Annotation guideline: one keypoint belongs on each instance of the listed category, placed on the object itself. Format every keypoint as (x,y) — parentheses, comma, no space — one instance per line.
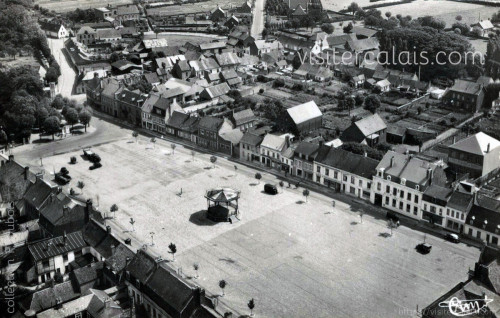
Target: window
(379,186)
(335,174)
(408,196)
(394,202)
(478,234)
(433,208)
(452,213)
(408,208)
(462,216)
(394,191)
(415,210)
(45,263)
(388,189)
(65,257)
(352,180)
(387,200)
(318,179)
(401,194)
(416,199)
(425,207)
(417,187)
(448,212)
(327,171)
(318,169)
(401,205)
(403,181)
(360,183)
(344,178)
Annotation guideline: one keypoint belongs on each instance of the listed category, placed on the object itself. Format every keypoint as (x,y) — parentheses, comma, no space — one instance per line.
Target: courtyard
(295,258)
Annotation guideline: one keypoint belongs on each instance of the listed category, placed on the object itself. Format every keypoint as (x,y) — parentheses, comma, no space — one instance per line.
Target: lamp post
(152,235)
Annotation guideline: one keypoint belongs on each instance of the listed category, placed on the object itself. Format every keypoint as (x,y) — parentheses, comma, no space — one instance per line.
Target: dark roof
(177,119)
(210,123)
(141,266)
(169,291)
(93,234)
(118,260)
(437,194)
(61,213)
(183,65)
(460,201)
(51,26)
(57,246)
(251,139)
(337,40)
(358,30)
(347,161)
(38,192)
(130,97)
(49,297)
(307,148)
(243,116)
(87,274)
(479,214)
(151,78)
(12,173)
(466,87)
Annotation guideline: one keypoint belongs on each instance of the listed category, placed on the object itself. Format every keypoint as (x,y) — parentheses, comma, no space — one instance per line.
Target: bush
(261,91)
(72,160)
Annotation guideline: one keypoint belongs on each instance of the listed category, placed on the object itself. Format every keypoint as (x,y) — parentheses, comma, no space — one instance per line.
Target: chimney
(430,174)
(59,190)
(107,302)
(11,157)
(65,238)
(65,210)
(392,161)
(113,248)
(365,154)
(88,210)
(96,75)
(287,140)
(488,148)
(108,229)
(27,171)
(454,140)
(321,142)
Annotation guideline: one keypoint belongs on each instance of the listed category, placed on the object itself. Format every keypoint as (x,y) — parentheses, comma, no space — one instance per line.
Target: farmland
(205,6)
(69,5)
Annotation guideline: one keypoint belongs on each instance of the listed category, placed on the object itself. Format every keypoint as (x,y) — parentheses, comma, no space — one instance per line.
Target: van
(270,189)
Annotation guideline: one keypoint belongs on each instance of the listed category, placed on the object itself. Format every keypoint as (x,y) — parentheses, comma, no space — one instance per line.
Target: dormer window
(417,187)
(403,181)
(389,178)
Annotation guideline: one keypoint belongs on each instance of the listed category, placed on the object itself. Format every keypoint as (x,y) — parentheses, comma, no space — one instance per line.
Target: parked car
(91,156)
(270,189)
(62,178)
(95,165)
(392,216)
(452,238)
(424,248)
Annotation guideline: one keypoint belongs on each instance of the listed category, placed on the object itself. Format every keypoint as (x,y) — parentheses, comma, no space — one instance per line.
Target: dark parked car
(95,165)
(392,216)
(452,238)
(91,156)
(270,188)
(424,248)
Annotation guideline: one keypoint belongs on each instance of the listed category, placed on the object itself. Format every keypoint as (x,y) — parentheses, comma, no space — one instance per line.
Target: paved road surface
(258,19)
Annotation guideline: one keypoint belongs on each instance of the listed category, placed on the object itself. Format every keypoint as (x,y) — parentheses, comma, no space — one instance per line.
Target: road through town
(258,19)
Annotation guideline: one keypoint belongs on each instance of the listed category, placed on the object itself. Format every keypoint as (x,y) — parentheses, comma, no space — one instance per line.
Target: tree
(222,285)
(132,222)
(305,193)
(353,7)
(348,28)
(372,103)
(71,117)
(173,148)
(113,210)
(80,185)
(458,18)
(173,250)
(51,75)
(235,169)
(196,267)
(3,137)
(265,32)
(135,134)
(282,184)
(51,125)
(350,102)
(213,159)
(327,28)
(258,176)
(251,306)
(361,216)
(388,14)
(85,118)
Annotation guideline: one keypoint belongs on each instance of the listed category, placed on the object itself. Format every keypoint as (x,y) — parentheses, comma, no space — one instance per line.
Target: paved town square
(295,258)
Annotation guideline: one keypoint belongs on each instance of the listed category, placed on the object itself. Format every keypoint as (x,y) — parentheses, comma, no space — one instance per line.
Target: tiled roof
(460,201)
(363,44)
(243,116)
(57,246)
(151,78)
(141,266)
(87,274)
(127,9)
(38,192)
(251,139)
(212,45)
(183,65)
(304,112)
(476,144)
(217,90)
(466,87)
(306,148)
(358,30)
(407,167)
(210,123)
(227,58)
(49,297)
(177,119)
(130,97)
(62,212)
(371,124)
(12,173)
(234,136)
(340,40)
(118,260)
(273,142)
(108,34)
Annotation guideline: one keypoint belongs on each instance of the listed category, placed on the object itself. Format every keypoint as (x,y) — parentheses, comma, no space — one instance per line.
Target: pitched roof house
(306,117)
(370,131)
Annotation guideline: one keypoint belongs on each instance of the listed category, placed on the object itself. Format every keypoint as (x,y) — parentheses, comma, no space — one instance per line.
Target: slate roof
(460,201)
(479,214)
(169,290)
(371,124)
(413,169)
(304,112)
(56,246)
(177,119)
(51,26)
(466,87)
(38,192)
(437,194)
(251,139)
(363,44)
(87,274)
(227,59)
(127,9)
(151,78)
(212,45)
(130,97)
(108,34)
(234,136)
(340,40)
(476,144)
(347,161)
(141,266)
(183,65)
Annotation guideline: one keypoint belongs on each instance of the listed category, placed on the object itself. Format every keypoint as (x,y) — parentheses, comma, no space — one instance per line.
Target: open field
(181,39)
(444,10)
(296,259)
(205,6)
(69,5)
